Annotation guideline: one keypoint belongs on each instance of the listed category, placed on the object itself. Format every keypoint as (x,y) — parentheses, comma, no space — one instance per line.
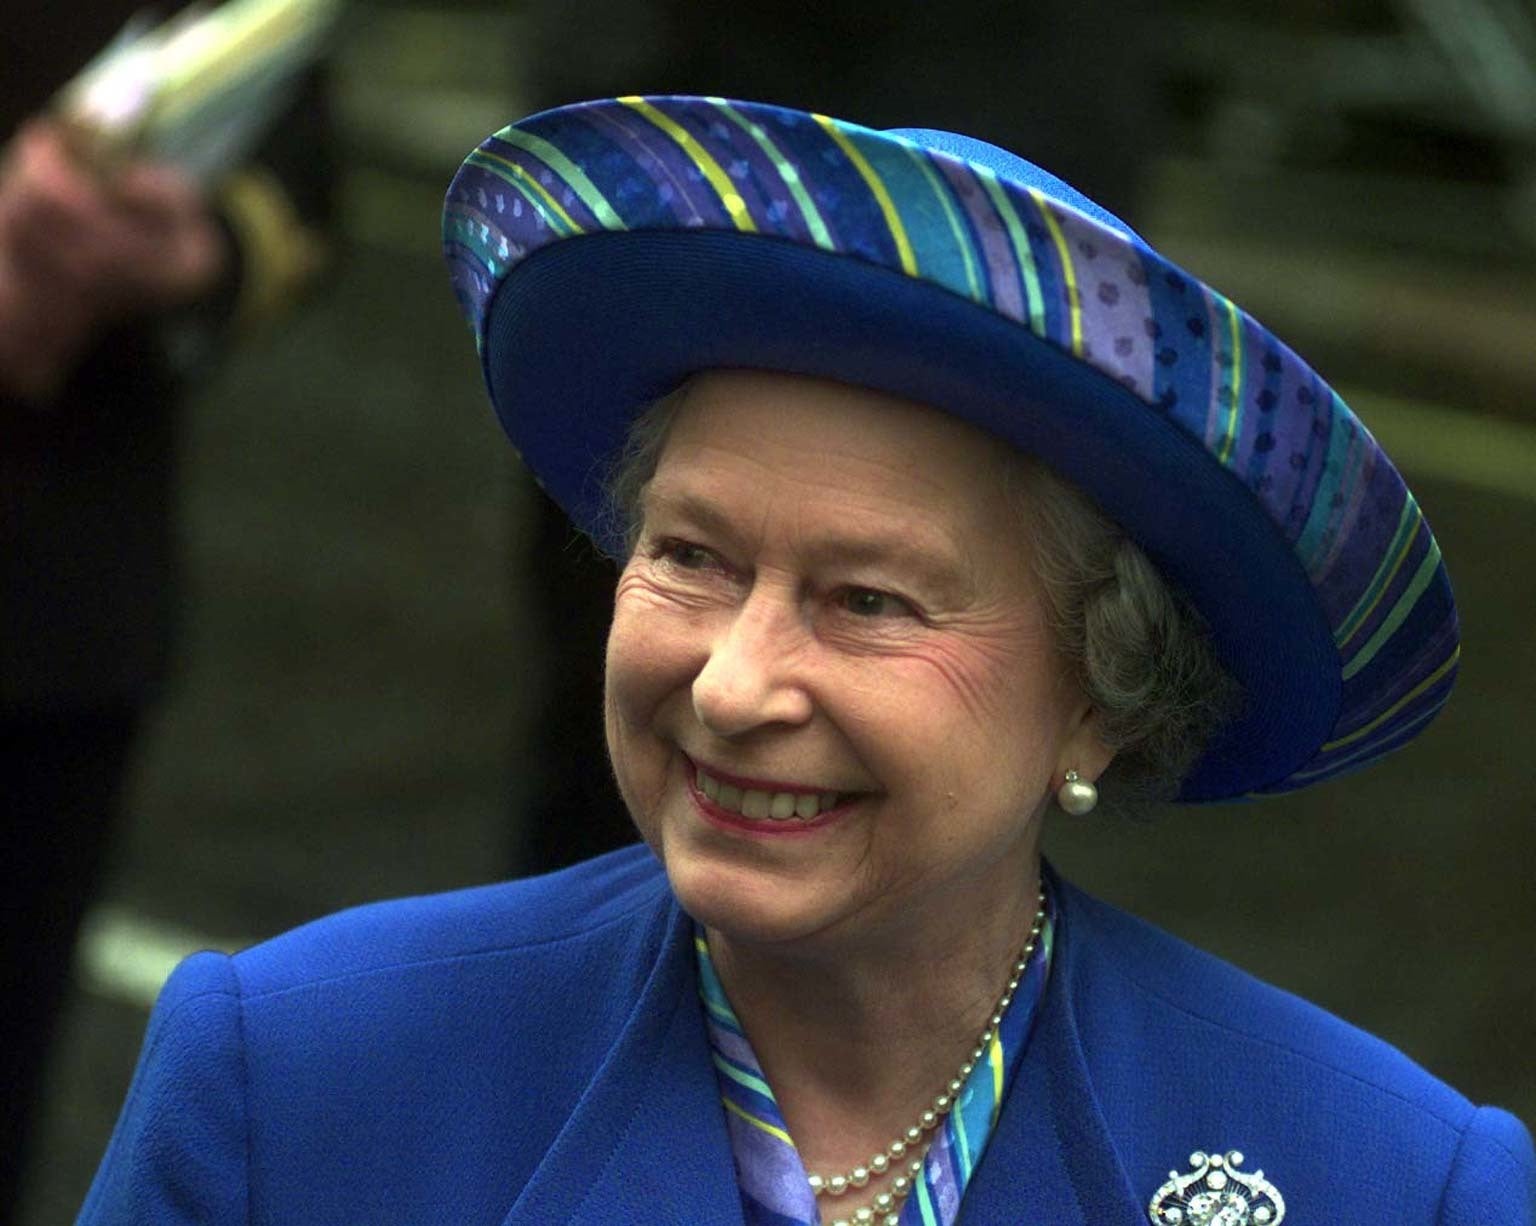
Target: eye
(872,603)
(683,555)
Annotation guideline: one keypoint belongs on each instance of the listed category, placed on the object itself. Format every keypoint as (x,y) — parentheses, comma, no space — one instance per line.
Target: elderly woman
(943,501)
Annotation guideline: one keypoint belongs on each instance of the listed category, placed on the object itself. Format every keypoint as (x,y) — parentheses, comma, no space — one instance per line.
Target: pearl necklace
(885,1208)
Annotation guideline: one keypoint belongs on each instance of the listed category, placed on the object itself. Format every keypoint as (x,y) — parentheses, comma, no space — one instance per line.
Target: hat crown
(1014,168)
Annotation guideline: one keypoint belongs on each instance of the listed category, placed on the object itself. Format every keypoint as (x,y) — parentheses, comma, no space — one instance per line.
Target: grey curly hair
(1139,650)
(1137,647)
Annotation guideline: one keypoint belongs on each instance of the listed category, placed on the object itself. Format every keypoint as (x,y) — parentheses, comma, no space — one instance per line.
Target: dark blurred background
(380,615)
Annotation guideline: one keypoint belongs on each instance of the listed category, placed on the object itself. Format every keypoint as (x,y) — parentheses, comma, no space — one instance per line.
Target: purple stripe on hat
(499,178)
(1278,451)
(1004,283)
(740,158)
(554,186)
(1330,765)
(1398,718)
(1391,734)
(521,217)
(1403,554)
(1114,303)
(1437,648)
(487,203)
(1187,322)
(495,238)
(1056,302)
(1339,595)
(1365,548)
(1261,379)
(681,189)
(1296,491)
(1335,500)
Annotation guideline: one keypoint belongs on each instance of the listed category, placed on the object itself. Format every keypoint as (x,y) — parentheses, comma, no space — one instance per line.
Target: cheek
(651,648)
(632,684)
(638,758)
(990,682)
(651,660)
(984,718)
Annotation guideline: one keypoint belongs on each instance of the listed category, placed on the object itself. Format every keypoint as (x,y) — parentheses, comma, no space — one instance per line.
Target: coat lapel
(647,1141)
(1051,1159)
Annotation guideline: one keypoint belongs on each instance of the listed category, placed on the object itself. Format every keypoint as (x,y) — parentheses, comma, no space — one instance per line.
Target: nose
(752,679)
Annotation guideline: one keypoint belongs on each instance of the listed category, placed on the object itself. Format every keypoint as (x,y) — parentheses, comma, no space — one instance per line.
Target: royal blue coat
(533,1053)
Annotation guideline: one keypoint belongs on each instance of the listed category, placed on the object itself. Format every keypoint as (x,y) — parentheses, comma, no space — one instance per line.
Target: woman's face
(833,704)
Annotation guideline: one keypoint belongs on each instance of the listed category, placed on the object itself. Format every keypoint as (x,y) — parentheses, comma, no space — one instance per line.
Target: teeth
(760,805)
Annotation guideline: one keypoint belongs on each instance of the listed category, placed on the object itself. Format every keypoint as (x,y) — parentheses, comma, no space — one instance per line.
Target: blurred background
(379,618)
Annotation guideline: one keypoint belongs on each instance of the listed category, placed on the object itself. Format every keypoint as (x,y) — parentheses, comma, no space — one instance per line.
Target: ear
(1083,748)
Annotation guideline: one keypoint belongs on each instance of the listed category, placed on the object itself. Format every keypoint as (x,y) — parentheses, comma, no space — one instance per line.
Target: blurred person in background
(117,285)
(943,502)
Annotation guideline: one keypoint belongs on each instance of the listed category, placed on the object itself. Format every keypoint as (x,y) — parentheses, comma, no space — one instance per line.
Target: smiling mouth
(757,804)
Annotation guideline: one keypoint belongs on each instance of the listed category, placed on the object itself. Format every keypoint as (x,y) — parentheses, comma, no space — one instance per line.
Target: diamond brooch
(1214,1192)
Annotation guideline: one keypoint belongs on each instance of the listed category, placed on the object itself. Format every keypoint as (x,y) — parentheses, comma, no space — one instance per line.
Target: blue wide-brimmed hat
(605,251)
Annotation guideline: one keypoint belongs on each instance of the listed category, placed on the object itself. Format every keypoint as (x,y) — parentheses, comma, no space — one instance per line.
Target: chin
(744,902)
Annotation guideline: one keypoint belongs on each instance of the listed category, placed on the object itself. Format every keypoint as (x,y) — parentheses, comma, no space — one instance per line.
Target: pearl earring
(1077,796)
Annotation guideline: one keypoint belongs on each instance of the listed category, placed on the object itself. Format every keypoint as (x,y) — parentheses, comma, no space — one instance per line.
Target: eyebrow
(686,505)
(937,569)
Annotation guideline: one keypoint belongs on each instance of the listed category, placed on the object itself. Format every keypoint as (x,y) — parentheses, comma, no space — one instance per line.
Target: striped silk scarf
(774,1190)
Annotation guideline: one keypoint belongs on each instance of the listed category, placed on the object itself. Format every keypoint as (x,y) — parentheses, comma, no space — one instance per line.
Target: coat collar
(647,1141)
(1051,1155)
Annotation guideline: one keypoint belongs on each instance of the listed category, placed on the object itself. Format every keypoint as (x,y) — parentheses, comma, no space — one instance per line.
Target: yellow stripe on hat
(956,226)
(877,186)
(1367,749)
(1018,237)
(1402,543)
(702,158)
(573,174)
(787,172)
(537,194)
(1229,431)
(1422,578)
(1074,302)
(1410,696)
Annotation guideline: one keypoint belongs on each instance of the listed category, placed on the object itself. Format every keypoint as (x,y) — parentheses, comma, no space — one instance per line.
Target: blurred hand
(79,252)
